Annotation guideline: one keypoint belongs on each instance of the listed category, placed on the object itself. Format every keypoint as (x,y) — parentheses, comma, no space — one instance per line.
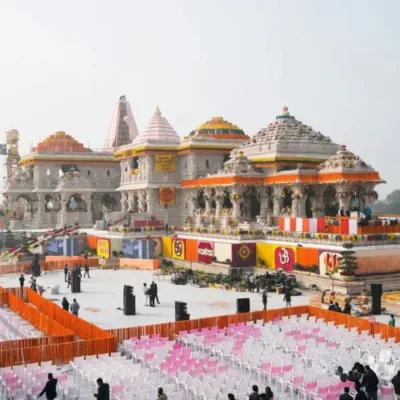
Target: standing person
(251,281)
(50,389)
(34,285)
(65,304)
(370,381)
(69,278)
(103,390)
(361,394)
(264,298)
(254,395)
(161,394)
(346,394)
(66,272)
(396,385)
(152,293)
(146,294)
(156,292)
(86,270)
(288,297)
(75,307)
(21,281)
(268,395)
(392,321)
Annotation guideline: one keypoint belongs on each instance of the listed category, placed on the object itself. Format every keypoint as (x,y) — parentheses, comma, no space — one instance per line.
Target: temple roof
(217,127)
(60,142)
(344,160)
(287,128)
(123,127)
(158,130)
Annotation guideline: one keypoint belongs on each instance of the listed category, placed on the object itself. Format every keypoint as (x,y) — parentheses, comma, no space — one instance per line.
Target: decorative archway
(287,193)
(357,201)
(252,206)
(48,203)
(76,203)
(23,207)
(109,202)
(330,203)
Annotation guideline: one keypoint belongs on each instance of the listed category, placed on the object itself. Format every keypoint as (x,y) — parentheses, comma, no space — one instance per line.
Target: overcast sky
(336,65)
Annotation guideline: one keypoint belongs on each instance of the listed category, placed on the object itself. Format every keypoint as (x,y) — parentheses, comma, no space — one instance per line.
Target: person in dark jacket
(65,304)
(21,281)
(340,373)
(346,394)
(254,395)
(360,395)
(331,306)
(288,297)
(152,295)
(156,292)
(347,309)
(264,298)
(86,270)
(396,384)
(103,390)
(66,272)
(370,382)
(50,389)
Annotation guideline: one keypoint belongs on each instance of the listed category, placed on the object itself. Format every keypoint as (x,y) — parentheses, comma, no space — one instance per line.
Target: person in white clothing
(146,294)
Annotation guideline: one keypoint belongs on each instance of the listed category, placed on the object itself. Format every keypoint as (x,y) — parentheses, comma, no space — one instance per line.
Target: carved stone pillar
(299,202)
(264,201)
(193,202)
(124,202)
(208,201)
(63,211)
(219,201)
(277,201)
(89,212)
(236,199)
(150,200)
(142,201)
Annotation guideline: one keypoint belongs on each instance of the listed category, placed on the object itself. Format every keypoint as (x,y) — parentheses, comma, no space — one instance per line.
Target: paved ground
(102,294)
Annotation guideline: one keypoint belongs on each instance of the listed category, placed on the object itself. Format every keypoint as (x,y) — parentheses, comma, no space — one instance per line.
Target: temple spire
(123,127)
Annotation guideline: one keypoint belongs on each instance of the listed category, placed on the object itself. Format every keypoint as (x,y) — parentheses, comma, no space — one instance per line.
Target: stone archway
(357,200)
(76,203)
(109,202)
(23,207)
(48,203)
(252,206)
(330,203)
(287,193)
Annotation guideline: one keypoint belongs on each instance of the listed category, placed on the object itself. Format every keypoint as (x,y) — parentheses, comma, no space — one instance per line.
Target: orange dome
(60,142)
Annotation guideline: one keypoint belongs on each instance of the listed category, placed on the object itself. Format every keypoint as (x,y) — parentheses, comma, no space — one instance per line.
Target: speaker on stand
(376,292)
(242,305)
(75,282)
(181,311)
(129,301)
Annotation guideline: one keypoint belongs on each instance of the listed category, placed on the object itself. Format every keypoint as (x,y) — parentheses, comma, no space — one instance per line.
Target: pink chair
(387,393)
(177,346)
(308,389)
(321,392)
(116,390)
(222,369)
(332,396)
(295,384)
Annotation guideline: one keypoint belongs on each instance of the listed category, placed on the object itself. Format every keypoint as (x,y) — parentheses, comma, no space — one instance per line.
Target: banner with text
(205,252)
(103,248)
(165,164)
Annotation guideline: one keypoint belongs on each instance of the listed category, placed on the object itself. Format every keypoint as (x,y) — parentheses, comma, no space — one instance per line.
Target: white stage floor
(102,294)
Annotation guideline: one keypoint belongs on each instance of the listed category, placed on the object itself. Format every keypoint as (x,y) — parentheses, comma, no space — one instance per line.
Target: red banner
(284,258)
(205,252)
(244,255)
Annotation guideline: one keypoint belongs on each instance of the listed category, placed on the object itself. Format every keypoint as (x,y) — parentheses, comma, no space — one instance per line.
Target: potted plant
(348,263)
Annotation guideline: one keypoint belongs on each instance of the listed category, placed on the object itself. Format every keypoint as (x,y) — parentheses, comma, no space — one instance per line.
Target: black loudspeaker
(75,282)
(181,311)
(242,305)
(376,291)
(129,301)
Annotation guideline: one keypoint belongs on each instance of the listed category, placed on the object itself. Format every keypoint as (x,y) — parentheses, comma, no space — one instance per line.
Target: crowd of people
(74,306)
(150,294)
(78,269)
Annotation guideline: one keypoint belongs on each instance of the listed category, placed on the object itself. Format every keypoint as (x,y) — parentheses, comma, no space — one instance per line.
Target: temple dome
(344,160)
(60,142)
(158,130)
(217,126)
(287,128)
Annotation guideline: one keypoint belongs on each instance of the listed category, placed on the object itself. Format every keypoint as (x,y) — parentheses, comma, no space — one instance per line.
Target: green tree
(390,205)
(348,263)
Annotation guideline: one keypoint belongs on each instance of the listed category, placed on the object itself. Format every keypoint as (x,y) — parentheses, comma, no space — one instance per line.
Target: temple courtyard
(103,294)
